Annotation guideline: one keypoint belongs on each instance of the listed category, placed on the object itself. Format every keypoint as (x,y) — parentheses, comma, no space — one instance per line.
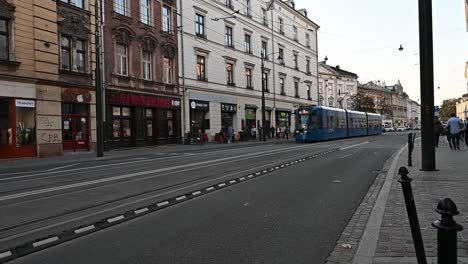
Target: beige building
(47,97)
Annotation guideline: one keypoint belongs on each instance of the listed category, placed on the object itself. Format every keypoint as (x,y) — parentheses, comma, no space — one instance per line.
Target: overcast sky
(363,36)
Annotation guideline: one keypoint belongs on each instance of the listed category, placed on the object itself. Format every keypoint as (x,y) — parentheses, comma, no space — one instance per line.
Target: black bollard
(410,149)
(447,230)
(412,215)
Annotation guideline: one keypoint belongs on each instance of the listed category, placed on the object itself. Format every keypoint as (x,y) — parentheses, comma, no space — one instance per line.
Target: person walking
(454,126)
(278,132)
(230,134)
(462,130)
(272,131)
(438,128)
(286,132)
(253,132)
(466,134)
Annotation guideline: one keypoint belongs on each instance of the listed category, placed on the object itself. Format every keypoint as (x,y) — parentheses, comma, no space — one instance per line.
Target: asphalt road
(293,215)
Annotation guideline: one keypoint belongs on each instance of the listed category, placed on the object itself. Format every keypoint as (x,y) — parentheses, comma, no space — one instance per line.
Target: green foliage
(363,103)
(447,108)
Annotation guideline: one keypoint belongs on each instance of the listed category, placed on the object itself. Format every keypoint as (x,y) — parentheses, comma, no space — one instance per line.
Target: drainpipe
(184,92)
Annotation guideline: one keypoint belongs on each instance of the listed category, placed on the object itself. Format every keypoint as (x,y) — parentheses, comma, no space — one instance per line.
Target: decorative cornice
(6,9)
(74,24)
(123,35)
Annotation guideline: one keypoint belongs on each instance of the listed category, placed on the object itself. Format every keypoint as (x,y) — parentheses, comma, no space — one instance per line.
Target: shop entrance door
(75,132)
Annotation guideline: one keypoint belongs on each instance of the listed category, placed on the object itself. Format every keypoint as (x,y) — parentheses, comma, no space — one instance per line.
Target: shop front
(250,118)
(198,112)
(134,120)
(76,119)
(228,112)
(17,128)
(283,118)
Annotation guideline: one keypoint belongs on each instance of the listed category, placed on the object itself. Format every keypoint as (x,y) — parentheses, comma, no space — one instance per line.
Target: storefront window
(127,131)
(125,111)
(25,126)
(149,122)
(282,119)
(170,123)
(116,111)
(121,122)
(5,122)
(116,128)
(67,133)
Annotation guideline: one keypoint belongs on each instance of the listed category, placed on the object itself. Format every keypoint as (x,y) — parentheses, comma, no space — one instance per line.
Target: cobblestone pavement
(395,244)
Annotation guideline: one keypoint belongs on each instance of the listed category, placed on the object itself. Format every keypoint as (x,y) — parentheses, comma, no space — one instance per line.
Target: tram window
(313,120)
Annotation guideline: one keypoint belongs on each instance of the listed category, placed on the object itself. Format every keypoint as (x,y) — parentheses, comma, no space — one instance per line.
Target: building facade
(47,96)
(382,97)
(143,105)
(221,60)
(336,86)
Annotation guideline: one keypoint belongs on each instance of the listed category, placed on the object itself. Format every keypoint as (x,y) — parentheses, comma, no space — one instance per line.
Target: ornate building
(336,86)
(141,58)
(47,97)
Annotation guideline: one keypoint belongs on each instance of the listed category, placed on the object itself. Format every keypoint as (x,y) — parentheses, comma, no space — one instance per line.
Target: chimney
(338,67)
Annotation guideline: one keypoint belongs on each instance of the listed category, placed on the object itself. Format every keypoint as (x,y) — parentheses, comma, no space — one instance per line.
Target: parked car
(401,129)
(389,129)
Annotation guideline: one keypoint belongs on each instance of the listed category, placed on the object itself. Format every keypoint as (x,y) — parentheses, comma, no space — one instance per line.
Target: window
(229,3)
(295,32)
(265,81)
(308,66)
(229,36)
(307,39)
(248,78)
(246,7)
(264,17)
(25,126)
(265,50)
(248,44)
(168,70)
(201,68)
(296,63)
(281,25)
(230,73)
(166,13)
(200,25)
(296,88)
(77,3)
(4,40)
(121,122)
(281,82)
(147,65)
(281,55)
(121,7)
(330,89)
(72,54)
(122,62)
(149,122)
(308,92)
(145,11)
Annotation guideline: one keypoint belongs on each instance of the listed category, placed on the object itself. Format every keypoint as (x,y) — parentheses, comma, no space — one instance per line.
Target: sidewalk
(379,231)
(84,156)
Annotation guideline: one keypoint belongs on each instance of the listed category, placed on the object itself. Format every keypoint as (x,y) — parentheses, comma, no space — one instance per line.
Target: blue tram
(316,123)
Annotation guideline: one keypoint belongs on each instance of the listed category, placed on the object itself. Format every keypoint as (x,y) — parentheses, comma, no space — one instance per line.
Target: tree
(363,103)
(447,108)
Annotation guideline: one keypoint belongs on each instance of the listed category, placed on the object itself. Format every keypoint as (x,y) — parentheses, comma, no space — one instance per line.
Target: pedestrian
(438,128)
(286,132)
(260,133)
(466,134)
(253,132)
(278,132)
(272,131)
(454,127)
(230,134)
(462,130)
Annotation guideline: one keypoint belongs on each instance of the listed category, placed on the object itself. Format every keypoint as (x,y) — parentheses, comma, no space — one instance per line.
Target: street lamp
(264,129)
(340,99)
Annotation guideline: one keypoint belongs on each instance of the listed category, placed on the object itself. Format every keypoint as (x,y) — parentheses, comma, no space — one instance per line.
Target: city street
(288,203)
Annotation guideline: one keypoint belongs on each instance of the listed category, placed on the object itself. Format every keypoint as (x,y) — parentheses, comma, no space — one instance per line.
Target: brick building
(141,69)
(47,98)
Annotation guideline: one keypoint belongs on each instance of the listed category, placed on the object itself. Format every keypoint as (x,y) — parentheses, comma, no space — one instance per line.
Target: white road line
(181,198)
(242,178)
(142,210)
(115,219)
(63,167)
(355,145)
(45,241)
(162,203)
(250,176)
(196,193)
(222,185)
(210,188)
(233,181)
(5,254)
(84,229)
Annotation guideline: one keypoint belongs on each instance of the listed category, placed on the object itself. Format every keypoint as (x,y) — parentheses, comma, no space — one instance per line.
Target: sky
(363,36)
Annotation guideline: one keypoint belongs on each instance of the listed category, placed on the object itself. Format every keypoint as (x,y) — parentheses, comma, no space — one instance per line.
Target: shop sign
(199,105)
(76,95)
(250,114)
(25,103)
(141,100)
(283,116)
(230,108)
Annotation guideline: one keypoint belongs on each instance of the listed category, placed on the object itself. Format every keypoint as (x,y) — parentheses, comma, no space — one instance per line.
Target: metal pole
(98,81)
(427,85)
(263,102)
(184,93)
(410,149)
(447,230)
(412,215)
(273,111)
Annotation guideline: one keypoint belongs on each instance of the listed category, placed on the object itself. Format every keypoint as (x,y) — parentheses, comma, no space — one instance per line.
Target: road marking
(345,156)
(162,203)
(45,241)
(84,229)
(210,189)
(250,176)
(196,193)
(63,167)
(337,181)
(183,197)
(115,219)
(141,210)
(221,184)
(233,181)
(5,254)
(243,178)
(355,145)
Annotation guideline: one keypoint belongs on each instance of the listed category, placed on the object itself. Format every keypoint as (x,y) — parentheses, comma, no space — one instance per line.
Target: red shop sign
(141,100)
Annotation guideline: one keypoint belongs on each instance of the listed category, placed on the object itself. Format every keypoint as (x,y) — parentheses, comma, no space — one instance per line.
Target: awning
(251,106)
(278,109)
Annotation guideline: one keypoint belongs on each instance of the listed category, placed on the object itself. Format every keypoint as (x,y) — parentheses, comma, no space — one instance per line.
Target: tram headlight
(297,131)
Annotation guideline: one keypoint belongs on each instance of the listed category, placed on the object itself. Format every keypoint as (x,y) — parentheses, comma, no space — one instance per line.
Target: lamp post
(264,129)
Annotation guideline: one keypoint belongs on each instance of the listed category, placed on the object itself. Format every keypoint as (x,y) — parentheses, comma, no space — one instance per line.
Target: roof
(337,70)
(286,3)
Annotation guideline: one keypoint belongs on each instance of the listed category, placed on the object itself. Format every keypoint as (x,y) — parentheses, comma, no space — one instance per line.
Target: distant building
(336,86)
